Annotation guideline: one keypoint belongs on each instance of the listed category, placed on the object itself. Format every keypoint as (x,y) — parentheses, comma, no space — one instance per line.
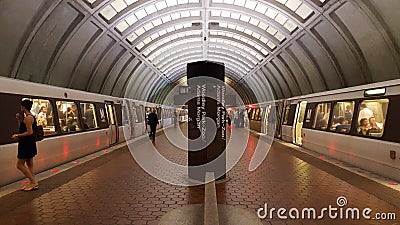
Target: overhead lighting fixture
(375,92)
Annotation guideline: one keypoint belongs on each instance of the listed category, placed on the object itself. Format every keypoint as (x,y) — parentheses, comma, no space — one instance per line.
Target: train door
(113,126)
(264,119)
(278,113)
(298,122)
(159,115)
(264,123)
(132,118)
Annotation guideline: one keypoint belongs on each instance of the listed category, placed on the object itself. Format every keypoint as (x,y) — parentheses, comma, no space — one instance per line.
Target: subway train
(358,125)
(76,123)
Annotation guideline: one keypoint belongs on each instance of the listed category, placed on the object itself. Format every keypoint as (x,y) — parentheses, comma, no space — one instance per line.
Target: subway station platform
(112,188)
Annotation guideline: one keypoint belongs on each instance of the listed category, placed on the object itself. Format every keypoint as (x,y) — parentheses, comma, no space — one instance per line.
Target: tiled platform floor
(113,189)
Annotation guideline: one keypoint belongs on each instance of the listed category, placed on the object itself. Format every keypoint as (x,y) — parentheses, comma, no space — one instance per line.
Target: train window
(260,114)
(110,113)
(102,119)
(158,112)
(43,112)
(308,115)
(372,117)
(322,116)
(139,114)
(89,116)
(118,114)
(134,114)
(125,115)
(342,116)
(286,117)
(147,111)
(255,114)
(68,116)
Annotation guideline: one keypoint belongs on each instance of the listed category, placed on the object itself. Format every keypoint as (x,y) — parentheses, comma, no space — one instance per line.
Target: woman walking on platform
(26,144)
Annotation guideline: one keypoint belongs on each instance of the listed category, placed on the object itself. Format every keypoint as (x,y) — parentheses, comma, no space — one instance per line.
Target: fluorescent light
(375,92)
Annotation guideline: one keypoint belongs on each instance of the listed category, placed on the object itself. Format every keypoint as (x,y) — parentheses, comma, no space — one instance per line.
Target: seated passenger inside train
(72,125)
(375,126)
(364,128)
(343,125)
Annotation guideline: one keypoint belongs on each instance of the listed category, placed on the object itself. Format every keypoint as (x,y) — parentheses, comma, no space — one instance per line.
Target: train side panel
(52,151)
(369,154)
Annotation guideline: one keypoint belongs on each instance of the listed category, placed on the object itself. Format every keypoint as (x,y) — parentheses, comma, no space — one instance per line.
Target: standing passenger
(364,112)
(26,144)
(152,120)
(347,114)
(89,115)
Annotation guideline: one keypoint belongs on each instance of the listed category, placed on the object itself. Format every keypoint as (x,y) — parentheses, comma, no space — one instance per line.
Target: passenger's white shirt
(379,125)
(365,113)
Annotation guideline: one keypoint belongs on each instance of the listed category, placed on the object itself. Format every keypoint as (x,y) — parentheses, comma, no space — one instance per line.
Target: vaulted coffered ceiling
(272,49)
(239,33)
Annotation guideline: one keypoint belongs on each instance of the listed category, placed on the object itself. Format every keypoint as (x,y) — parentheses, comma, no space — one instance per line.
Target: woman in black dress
(26,144)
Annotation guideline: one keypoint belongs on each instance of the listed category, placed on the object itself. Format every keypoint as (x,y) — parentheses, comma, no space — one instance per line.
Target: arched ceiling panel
(123,47)
(157,28)
(119,86)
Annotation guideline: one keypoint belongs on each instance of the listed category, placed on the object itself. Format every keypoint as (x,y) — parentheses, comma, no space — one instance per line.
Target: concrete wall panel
(105,68)
(47,41)
(80,79)
(272,82)
(294,69)
(321,62)
(122,82)
(388,10)
(286,89)
(16,17)
(73,53)
(115,73)
(317,83)
(374,48)
(350,67)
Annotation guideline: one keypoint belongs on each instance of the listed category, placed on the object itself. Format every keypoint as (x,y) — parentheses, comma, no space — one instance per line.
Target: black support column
(207,113)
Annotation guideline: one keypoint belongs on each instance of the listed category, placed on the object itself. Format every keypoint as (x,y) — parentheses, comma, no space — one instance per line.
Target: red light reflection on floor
(25,182)
(340,163)
(105,150)
(322,157)
(75,162)
(394,184)
(54,171)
